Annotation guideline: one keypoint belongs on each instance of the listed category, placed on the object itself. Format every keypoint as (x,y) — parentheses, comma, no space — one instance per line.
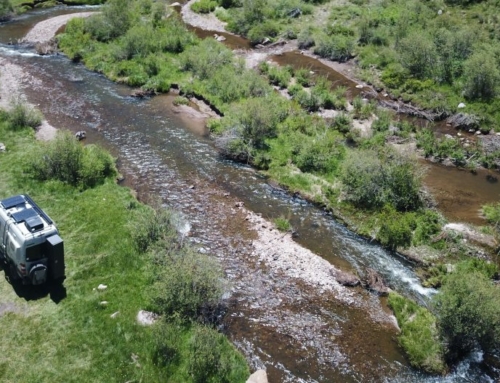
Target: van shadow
(54,289)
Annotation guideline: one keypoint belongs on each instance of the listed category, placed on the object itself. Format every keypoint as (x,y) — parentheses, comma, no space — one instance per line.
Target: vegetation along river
(297,331)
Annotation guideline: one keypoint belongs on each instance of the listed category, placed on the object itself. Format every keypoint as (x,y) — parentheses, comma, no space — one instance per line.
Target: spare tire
(38,274)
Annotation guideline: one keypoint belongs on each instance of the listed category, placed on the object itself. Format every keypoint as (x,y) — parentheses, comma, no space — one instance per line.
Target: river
(295,331)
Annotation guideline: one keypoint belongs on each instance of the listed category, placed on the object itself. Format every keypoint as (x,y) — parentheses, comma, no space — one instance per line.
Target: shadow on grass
(54,289)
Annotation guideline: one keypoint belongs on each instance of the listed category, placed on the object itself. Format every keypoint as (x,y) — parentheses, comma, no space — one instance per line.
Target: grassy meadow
(68,335)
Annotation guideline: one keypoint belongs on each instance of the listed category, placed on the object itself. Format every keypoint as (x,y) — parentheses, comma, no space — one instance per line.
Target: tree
(482,77)
(468,313)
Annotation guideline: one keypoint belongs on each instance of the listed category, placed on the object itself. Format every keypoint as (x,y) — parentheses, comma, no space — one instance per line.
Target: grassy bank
(56,336)
(337,162)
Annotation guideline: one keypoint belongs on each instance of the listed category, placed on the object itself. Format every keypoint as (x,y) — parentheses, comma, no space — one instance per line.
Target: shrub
(154,226)
(210,359)
(418,55)
(395,229)
(337,47)
(282,224)
(205,58)
(189,285)
(482,77)
(305,38)
(66,160)
(279,76)
(303,77)
(419,335)
(6,10)
(180,100)
(204,6)
(23,115)
(468,313)
(258,33)
(492,214)
(373,180)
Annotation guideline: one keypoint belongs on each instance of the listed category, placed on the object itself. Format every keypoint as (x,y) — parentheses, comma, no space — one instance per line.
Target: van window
(34,253)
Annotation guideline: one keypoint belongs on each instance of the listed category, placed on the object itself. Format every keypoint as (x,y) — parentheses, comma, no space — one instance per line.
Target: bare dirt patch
(45,30)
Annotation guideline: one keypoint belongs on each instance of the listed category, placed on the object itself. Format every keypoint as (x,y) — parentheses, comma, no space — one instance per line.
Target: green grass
(282,224)
(76,340)
(419,335)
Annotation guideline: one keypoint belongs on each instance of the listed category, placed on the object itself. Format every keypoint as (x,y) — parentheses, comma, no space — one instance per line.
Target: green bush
(204,59)
(305,38)
(152,227)
(418,55)
(419,335)
(372,180)
(279,76)
(482,77)
(492,214)
(468,313)
(337,47)
(66,160)
(210,359)
(282,224)
(204,6)
(23,115)
(199,352)
(189,285)
(6,10)
(396,229)
(258,33)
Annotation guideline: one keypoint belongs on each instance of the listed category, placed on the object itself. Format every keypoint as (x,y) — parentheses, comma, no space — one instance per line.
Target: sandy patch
(208,22)
(45,30)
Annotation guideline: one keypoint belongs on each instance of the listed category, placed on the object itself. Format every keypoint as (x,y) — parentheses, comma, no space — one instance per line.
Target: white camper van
(30,246)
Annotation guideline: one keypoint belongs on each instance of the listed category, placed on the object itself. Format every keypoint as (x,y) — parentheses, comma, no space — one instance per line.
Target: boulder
(81,135)
(345,278)
(259,376)
(141,93)
(146,318)
(374,282)
(464,121)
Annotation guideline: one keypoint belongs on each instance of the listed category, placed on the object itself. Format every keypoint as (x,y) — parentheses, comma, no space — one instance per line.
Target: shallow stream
(297,332)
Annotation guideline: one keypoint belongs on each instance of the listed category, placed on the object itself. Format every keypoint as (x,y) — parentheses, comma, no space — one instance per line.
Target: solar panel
(8,203)
(23,215)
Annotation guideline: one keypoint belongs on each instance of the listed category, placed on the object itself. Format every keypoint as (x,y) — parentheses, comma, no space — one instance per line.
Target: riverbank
(11,82)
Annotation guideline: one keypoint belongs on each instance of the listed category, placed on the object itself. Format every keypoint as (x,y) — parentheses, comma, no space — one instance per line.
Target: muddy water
(461,193)
(300,61)
(297,332)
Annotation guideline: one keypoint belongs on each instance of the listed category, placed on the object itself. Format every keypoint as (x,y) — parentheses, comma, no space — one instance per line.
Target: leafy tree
(468,313)
(482,77)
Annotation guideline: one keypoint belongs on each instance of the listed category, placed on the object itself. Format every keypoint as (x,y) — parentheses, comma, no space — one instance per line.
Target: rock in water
(374,282)
(345,278)
(81,135)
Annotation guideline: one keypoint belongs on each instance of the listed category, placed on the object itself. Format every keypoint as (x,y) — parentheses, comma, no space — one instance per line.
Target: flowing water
(297,332)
